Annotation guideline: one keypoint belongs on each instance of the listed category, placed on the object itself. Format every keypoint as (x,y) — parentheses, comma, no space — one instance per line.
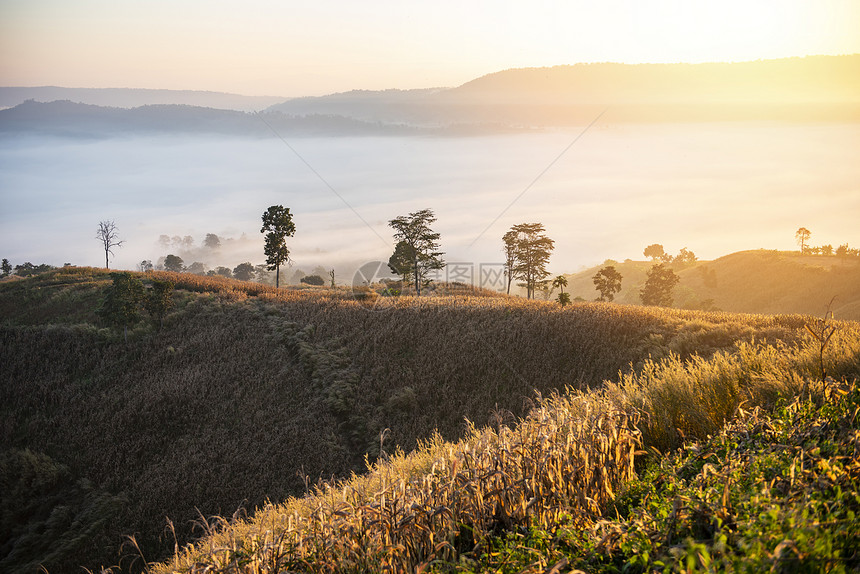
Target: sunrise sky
(272,47)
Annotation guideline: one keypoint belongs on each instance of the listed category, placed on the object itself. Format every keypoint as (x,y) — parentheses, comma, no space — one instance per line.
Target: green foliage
(48,517)
(421,246)
(312,280)
(277,225)
(27,269)
(608,282)
(159,300)
(121,305)
(5,268)
(658,287)
(563,299)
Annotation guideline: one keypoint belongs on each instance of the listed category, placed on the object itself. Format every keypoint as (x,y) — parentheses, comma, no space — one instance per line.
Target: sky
(290,48)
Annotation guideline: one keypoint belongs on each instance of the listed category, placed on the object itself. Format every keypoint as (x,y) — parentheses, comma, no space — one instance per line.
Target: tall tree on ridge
(277,225)
(531,255)
(108,234)
(414,230)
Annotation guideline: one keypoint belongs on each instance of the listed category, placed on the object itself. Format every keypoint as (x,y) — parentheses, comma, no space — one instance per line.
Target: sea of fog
(713,188)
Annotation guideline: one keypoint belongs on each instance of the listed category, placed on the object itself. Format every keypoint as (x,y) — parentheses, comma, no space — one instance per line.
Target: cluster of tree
(127,296)
(684,257)
(24,270)
(802,236)
(527,250)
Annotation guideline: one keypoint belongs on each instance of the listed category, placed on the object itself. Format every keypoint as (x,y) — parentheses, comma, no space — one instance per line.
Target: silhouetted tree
(244,271)
(509,241)
(402,260)
(26,269)
(655,251)
(145,266)
(560,282)
(415,231)
(212,241)
(532,249)
(277,225)
(108,234)
(197,268)
(222,271)
(6,268)
(174,263)
(659,285)
(120,307)
(685,257)
(608,282)
(159,300)
(312,280)
(802,235)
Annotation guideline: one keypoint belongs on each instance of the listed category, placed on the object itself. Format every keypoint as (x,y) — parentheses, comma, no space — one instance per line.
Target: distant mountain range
(819,88)
(133,98)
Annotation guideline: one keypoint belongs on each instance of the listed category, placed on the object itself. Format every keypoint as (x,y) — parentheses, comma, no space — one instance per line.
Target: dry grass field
(478,414)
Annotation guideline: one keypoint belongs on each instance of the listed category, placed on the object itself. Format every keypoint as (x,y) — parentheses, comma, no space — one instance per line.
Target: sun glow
(278,48)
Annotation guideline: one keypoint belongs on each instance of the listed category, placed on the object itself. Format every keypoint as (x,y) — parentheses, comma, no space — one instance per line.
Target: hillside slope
(759,281)
(250,393)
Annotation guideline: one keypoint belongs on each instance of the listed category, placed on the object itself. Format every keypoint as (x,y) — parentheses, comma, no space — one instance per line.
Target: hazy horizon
(713,188)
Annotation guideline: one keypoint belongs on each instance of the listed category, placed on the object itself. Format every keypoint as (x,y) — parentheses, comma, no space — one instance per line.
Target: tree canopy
(174,263)
(659,285)
(531,251)
(277,225)
(608,282)
(422,244)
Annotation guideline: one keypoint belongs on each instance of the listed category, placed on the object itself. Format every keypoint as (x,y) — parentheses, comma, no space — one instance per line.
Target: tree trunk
(107,266)
(277,276)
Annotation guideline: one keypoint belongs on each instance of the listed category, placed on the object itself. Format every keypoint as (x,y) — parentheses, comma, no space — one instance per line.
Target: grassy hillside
(250,394)
(767,481)
(748,282)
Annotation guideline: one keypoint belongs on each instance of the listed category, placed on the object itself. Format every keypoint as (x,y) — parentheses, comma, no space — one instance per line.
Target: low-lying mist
(714,188)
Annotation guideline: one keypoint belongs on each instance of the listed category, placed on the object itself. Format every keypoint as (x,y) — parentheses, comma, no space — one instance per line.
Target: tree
(685,257)
(402,261)
(560,282)
(6,268)
(196,268)
(423,242)
(159,300)
(145,266)
(655,251)
(532,249)
(658,287)
(244,271)
(509,240)
(277,225)
(120,306)
(608,282)
(802,235)
(173,263)
(333,283)
(108,234)
(312,280)
(212,241)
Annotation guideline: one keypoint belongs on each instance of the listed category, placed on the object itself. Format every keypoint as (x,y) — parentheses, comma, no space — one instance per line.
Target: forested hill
(250,393)
(760,281)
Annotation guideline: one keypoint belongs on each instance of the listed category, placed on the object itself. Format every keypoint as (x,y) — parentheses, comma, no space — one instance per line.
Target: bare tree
(108,234)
